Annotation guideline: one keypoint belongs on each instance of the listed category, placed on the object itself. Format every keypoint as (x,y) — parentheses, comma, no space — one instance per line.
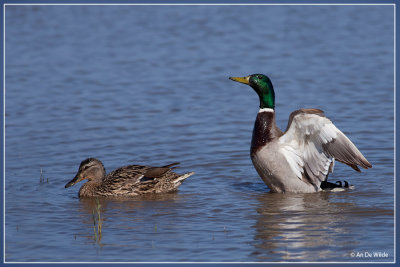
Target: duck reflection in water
(301,227)
(129,212)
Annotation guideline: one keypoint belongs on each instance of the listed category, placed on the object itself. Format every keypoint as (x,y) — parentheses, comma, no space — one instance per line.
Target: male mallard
(128,181)
(299,159)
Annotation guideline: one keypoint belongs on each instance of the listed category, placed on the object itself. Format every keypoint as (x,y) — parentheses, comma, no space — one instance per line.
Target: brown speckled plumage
(127,181)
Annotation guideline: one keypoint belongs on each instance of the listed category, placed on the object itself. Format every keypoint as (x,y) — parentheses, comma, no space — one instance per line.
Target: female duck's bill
(72,182)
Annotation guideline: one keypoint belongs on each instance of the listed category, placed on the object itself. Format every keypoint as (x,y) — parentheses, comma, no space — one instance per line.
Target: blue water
(149,85)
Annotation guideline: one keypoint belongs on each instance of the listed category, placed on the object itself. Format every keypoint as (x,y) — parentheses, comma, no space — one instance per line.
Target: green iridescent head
(263,87)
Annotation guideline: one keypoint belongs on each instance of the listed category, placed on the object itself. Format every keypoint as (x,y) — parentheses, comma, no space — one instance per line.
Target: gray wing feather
(312,142)
(343,150)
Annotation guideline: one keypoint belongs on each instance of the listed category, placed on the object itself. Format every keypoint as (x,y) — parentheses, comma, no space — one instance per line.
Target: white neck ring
(266,110)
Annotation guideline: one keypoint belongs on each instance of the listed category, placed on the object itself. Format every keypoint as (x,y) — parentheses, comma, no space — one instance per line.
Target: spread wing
(312,142)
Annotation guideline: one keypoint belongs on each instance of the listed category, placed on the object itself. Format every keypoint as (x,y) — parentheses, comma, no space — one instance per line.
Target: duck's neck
(266,94)
(265,129)
(89,188)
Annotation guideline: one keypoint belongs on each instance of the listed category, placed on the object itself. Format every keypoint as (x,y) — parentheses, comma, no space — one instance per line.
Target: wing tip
(363,162)
(171,165)
(354,165)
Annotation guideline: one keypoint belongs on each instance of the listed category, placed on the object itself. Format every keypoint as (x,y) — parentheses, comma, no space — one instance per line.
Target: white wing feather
(312,142)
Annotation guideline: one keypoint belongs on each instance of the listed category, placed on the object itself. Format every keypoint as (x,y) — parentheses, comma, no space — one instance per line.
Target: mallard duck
(300,159)
(127,181)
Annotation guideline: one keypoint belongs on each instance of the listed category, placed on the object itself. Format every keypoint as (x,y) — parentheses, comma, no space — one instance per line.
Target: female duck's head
(263,87)
(91,169)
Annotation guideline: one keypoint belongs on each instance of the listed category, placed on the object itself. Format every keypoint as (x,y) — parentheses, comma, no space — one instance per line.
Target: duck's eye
(259,77)
(85,168)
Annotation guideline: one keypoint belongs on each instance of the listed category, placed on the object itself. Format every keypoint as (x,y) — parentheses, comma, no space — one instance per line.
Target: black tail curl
(329,186)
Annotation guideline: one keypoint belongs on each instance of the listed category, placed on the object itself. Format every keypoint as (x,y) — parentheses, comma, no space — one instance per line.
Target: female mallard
(128,181)
(299,159)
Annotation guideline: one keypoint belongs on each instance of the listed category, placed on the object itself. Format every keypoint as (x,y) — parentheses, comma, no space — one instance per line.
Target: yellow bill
(244,80)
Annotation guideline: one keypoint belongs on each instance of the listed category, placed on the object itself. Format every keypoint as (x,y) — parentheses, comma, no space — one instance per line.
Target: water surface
(149,85)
